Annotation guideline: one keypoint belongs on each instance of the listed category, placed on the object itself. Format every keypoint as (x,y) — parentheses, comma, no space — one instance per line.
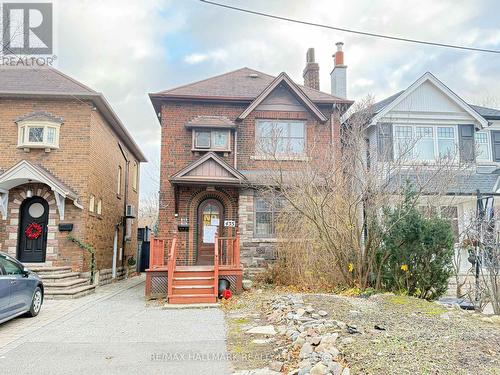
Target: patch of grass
(241,320)
(411,303)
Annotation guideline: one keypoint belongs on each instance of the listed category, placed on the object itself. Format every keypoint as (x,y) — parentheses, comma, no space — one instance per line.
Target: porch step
(184,281)
(62,282)
(188,274)
(65,283)
(53,277)
(192,298)
(68,293)
(193,284)
(192,289)
(49,270)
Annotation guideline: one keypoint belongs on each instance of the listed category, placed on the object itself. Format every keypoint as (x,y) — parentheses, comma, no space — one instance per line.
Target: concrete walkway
(116,332)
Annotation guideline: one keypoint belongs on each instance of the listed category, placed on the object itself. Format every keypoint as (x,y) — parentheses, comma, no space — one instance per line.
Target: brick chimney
(338,75)
(311,71)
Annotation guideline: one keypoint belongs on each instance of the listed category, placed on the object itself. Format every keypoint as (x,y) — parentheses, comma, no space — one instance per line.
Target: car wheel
(36,303)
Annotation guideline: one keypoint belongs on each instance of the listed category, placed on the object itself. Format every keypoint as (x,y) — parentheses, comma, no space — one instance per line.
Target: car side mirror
(26,271)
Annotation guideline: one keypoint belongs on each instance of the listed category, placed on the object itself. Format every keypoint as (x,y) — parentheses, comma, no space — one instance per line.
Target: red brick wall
(176,142)
(86,161)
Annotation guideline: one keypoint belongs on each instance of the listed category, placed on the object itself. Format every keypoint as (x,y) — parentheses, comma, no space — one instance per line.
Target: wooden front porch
(185,282)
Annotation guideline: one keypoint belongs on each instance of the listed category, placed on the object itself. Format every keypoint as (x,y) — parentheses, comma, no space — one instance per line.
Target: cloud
(127,49)
(214,56)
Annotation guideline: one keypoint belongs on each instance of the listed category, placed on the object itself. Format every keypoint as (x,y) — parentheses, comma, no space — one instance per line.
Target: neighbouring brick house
(210,167)
(67,166)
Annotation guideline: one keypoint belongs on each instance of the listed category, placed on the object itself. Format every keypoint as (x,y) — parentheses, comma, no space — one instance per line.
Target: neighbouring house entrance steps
(62,282)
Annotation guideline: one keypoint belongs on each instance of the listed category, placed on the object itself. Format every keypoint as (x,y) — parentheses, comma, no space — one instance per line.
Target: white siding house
(440,123)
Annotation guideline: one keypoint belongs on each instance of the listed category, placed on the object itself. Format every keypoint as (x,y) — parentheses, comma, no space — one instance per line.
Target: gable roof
(391,102)
(47,82)
(283,78)
(208,169)
(24,171)
(487,113)
(244,84)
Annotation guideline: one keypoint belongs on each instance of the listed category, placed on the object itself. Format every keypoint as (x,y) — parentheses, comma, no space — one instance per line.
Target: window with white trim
(92,203)
(38,134)
(135,172)
(119,182)
(211,139)
(424,143)
(482,146)
(99,207)
(280,138)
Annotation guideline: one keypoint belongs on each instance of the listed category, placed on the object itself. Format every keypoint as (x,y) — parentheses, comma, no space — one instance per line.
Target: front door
(210,220)
(33,230)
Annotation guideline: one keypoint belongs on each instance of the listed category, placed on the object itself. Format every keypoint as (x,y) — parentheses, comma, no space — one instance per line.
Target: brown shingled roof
(242,84)
(210,121)
(29,82)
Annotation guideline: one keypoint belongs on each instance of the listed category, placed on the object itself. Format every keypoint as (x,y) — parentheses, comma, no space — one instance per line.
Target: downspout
(125,203)
(236,149)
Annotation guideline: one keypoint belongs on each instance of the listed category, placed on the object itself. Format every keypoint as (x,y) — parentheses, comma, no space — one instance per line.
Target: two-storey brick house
(67,166)
(211,163)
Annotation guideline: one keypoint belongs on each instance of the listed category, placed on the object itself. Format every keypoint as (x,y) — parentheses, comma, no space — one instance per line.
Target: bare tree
(483,245)
(330,229)
(149,203)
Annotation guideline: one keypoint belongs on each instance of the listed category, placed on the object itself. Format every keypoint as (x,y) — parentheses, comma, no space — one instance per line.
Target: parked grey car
(21,291)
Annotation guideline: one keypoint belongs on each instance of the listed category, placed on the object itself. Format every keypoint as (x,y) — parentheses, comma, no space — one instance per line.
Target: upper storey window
(280,138)
(38,130)
(425,143)
(211,140)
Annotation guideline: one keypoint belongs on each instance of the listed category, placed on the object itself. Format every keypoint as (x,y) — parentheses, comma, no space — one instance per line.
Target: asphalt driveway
(120,334)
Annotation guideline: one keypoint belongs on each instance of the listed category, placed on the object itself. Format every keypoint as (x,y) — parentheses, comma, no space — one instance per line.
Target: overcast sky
(127,49)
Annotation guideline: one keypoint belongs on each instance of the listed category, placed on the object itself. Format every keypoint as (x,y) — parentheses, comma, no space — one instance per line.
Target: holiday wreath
(33,231)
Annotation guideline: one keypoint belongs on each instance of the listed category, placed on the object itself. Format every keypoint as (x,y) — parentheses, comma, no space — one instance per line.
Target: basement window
(39,134)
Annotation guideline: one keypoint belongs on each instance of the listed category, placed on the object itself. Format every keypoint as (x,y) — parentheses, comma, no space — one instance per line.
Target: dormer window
(38,130)
(211,140)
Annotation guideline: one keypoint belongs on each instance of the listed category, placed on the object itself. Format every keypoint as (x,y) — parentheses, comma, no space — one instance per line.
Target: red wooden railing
(228,250)
(157,253)
(172,259)
(216,265)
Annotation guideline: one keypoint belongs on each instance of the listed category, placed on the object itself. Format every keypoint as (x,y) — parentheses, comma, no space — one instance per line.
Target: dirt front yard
(381,334)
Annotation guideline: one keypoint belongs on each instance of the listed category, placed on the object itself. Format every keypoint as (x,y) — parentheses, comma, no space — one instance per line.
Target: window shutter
(466,142)
(495,145)
(384,142)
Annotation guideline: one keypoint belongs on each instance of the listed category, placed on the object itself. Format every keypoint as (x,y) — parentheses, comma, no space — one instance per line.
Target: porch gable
(208,169)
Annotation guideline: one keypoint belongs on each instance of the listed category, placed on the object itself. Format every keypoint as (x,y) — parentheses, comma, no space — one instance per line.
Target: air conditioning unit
(130,211)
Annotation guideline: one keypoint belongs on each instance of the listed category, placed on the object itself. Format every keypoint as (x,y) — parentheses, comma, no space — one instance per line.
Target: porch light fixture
(29,192)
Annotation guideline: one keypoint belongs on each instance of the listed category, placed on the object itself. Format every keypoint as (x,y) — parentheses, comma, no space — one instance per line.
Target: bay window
(38,134)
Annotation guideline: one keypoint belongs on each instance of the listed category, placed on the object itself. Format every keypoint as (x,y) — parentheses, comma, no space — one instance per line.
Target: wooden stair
(192,284)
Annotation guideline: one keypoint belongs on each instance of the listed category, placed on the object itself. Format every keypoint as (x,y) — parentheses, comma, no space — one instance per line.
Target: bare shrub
(331,229)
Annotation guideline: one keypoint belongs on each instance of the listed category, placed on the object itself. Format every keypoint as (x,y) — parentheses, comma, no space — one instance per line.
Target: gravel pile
(311,333)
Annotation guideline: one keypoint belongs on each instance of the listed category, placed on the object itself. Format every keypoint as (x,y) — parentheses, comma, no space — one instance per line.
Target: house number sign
(229,223)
